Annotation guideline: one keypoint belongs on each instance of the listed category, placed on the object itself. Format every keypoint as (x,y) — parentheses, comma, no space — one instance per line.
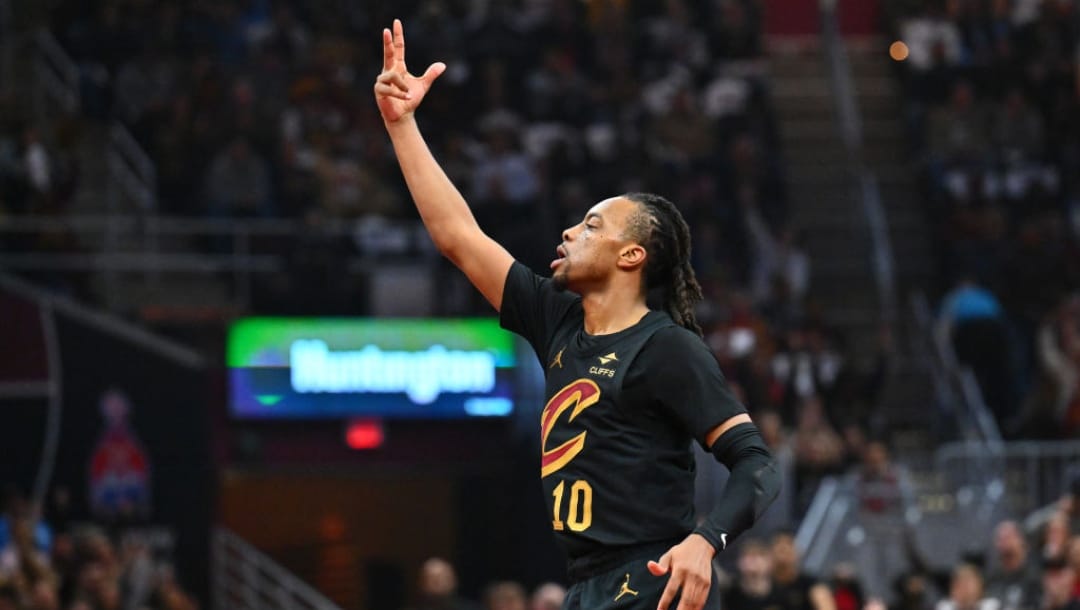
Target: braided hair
(660,228)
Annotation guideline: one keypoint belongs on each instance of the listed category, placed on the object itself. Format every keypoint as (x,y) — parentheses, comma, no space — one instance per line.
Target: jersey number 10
(579,516)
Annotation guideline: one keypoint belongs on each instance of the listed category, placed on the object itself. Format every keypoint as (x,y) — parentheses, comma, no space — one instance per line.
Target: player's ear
(632,257)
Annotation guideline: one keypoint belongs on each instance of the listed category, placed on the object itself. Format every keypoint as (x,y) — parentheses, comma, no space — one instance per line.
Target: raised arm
(446,215)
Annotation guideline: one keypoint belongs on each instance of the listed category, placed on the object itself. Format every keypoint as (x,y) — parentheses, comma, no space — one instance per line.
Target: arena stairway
(827,207)
(100,194)
(824,208)
(889,156)
(825,204)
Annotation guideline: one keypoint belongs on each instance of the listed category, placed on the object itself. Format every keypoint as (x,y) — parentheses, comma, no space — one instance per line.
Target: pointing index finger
(387,49)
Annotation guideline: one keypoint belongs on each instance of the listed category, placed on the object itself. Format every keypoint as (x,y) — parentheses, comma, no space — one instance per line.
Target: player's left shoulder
(673,352)
(677,341)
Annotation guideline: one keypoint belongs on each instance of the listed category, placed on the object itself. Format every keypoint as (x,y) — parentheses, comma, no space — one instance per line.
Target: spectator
(145,84)
(846,589)
(781,514)
(913,591)
(506,186)
(959,145)
(1012,579)
(795,589)
(36,164)
(966,591)
(1018,136)
(809,366)
(21,556)
(43,597)
(1058,583)
(819,450)
(504,175)
(1053,408)
(752,589)
(505,595)
(735,36)
(1056,537)
(884,494)
(931,38)
(350,190)
(438,588)
(776,256)
(1067,507)
(238,183)
(548,596)
(1073,560)
(973,318)
(19,511)
(682,136)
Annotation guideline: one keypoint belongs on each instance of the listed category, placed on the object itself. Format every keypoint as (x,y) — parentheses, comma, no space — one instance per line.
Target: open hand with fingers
(397,92)
(689,564)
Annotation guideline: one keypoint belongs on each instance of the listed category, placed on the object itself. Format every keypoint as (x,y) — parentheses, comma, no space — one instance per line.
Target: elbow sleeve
(753,485)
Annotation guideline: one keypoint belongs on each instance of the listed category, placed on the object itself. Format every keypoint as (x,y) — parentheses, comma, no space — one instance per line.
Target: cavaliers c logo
(581,395)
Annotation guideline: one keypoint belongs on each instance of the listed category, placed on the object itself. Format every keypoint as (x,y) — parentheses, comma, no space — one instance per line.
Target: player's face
(590,250)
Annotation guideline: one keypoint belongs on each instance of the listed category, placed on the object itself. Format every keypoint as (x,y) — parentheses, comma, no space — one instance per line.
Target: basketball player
(628,387)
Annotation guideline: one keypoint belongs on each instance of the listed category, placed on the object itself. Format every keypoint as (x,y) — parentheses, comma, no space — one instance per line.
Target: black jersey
(622,409)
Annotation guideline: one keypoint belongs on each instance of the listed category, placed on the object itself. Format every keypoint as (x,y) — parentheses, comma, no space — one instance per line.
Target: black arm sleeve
(753,485)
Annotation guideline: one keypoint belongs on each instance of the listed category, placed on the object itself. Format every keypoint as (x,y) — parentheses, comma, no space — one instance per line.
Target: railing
(245,579)
(849,117)
(133,174)
(235,250)
(821,527)
(979,478)
(1030,474)
(57,75)
(105,323)
(955,386)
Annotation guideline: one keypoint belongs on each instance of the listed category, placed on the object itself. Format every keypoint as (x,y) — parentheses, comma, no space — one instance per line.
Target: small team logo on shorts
(625,589)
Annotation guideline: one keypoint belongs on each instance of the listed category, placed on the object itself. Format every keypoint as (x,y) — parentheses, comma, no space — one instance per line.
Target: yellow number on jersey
(580,510)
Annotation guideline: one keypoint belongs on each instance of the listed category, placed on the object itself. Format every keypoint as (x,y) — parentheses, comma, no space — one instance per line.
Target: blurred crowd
(1030,566)
(436,589)
(1034,564)
(49,562)
(993,100)
(253,108)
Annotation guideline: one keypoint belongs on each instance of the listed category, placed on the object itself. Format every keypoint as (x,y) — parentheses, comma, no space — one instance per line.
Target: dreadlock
(660,227)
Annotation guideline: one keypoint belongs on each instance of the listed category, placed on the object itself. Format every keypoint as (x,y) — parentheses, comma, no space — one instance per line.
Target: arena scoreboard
(366,367)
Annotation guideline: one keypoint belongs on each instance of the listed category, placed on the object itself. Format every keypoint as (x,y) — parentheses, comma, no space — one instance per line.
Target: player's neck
(610,311)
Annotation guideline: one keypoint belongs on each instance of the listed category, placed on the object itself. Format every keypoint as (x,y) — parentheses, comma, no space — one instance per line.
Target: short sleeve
(685,378)
(533,308)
